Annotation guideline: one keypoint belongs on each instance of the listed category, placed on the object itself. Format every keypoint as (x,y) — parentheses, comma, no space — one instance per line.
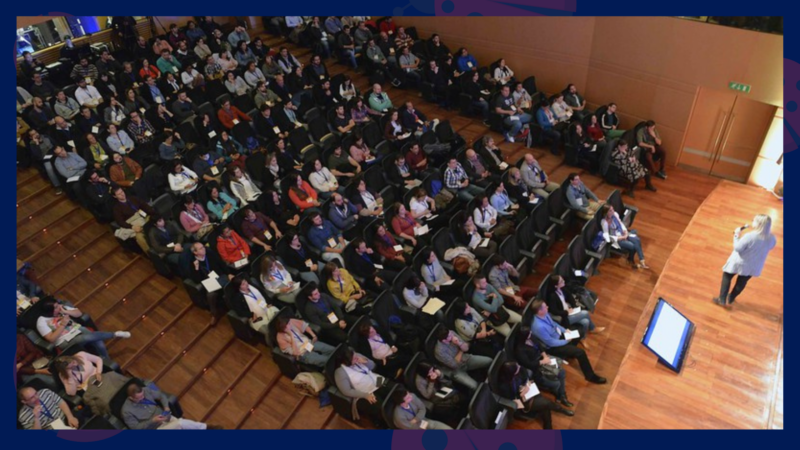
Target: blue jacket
(462,63)
(319,236)
(541,118)
(548,331)
(346,222)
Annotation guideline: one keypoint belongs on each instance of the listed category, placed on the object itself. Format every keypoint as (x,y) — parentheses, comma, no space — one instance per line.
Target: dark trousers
(741,282)
(555,139)
(570,351)
(540,406)
(650,157)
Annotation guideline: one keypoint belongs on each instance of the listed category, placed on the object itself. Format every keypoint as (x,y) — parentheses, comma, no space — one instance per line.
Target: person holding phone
(747,259)
(147,408)
(409,412)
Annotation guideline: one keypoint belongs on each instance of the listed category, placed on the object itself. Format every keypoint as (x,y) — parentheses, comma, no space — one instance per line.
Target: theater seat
(485,409)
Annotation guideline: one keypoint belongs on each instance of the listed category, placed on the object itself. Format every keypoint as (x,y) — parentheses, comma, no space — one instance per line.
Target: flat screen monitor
(668,335)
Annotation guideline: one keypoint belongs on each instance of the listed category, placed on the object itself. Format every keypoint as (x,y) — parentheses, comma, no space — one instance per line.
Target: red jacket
(232,251)
(226,118)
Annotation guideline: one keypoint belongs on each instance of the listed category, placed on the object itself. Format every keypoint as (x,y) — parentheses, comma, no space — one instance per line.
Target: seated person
(361,153)
(220,204)
(549,124)
(368,203)
(457,182)
(473,329)
(248,302)
(166,240)
(303,195)
(326,312)
(355,379)
(514,384)
(300,258)
(581,198)
(56,325)
(43,407)
(29,358)
(548,371)
(404,225)
(576,101)
(395,132)
(194,218)
(478,171)
(293,339)
(273,207)
(648,139)
(489,304)
(478,242)
(451,352)
(277,280)
(438,279)
(147,408)
(323,181)
(344,288)
(416,158)
(259,229)
(631,169)
(343,122)
(388,247)
(243,187)
(402,173)
(390,361)
(343,214)
(609,122)
(560,108)
(132,213)
(534,176)
(429,381)
(503,204)
(561,303)
(326,238)
(379,100)
(513,117)
(586,147)
(503,276)
(84,372)
(231,247)
(614,231)
(487,220)
(364,263)
(409,63)
(182,180)
(409,412)
(200,268)
(423,208)
(342,165)
(551,335)
(518,191)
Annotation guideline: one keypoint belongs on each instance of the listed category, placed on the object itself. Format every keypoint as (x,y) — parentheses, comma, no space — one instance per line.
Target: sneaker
(661,175)
(650,187)
(122,334)
(509,138)
(396,83)
(59,191)
(486,123)
(718,301)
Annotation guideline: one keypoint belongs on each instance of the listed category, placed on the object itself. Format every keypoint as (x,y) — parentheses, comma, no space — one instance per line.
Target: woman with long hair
(303,195)
(84,372)
(623,238)
(514,383)
(390,362)
(248,302)
(277,280)
(747,259)
(548,371)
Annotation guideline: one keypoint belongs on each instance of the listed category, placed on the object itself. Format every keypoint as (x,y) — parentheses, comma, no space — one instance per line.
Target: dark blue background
(380,440)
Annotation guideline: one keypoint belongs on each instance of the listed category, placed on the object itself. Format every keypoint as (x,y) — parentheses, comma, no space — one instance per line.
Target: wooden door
(707,124)
(743,138)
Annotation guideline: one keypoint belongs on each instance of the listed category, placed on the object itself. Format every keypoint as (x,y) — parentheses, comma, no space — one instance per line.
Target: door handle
(727,135)
(719,134)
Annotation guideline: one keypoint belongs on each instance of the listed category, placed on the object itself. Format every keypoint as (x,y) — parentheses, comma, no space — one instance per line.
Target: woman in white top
(119,141)
(748,258)
(201,49)
(347,90)
(390,360)
(614,230)
(182,180)
(260,311)
(235,85)
(191,78)
(253,75)
(560,108)
(278,281)
(243,187)
(421,205)
(484,216)
(502,73)
(323,180)
(226,61)
(115,113)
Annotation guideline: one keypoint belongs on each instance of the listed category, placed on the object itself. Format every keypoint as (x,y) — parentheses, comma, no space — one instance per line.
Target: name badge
(332,317)
(276,130)
(398,248)
(308,347)
(469,64)
(142,213)
(174,69)
(95,129)
(391,51)
(331,242)
(214,170)
(513,108)
(377,58)
(212,133)
(159,100)
(390,32)
(236,121)
(88,80)
(579,201)
(240,263)
(142,110)
(148,133)
(378,266)
(322,77)
(267,235)
(71,143)
(309,263)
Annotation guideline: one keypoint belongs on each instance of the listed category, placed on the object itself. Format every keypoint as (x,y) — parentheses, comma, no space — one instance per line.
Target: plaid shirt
(138,131)
(454,177)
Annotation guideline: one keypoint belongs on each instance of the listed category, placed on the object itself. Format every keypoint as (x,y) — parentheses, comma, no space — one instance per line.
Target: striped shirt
(454,177)
(50,410)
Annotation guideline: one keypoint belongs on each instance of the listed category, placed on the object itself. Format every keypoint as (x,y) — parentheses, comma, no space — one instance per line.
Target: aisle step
(119,274)
(41,241)
(168,348)
(182,373)
(246,395)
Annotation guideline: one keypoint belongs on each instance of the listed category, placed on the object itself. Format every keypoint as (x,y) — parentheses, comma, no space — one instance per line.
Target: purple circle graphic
(791,117)
(477,440)
(448,6)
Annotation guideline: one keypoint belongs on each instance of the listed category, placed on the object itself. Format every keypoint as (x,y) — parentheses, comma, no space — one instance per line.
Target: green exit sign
(741,87)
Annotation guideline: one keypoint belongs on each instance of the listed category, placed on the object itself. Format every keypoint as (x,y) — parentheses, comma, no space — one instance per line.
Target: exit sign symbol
(741,87)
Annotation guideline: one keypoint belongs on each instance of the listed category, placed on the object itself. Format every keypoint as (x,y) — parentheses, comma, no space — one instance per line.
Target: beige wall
(652,67)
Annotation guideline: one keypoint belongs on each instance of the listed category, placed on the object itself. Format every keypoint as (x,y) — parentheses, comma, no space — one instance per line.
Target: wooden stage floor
(732,377)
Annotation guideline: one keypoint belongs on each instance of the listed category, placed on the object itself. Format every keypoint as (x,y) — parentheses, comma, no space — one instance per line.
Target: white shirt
(184,182)
(257,305)
(188,78)
(416,300)
(499,74)
(89,95)
(418,206)
(323,181)
(369,200)
(483,217)
(277,279)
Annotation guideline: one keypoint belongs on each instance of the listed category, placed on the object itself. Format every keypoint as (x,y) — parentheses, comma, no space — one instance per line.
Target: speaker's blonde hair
(762,224)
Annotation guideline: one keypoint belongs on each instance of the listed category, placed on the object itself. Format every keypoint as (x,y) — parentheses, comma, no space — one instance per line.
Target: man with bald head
(478,171)
(41,408)
(379,100)
(533,175)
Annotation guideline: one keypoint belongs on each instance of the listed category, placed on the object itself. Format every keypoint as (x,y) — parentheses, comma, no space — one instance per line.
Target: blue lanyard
(409,410)
(277,274)
(366,257)
(80,379)
(208,266)
(301,252)
(341,285)
(251,295)
(379,340)
(46,410)
(135,209)
(361,369)
(430,269)
(323,306)
(297,335)
(165,233)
